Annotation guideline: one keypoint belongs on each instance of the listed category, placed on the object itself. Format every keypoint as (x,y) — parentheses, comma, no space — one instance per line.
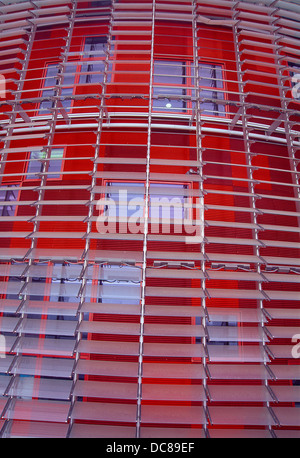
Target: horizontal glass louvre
(40,388)
(241,415)
(96,411)
(105,390)
(173,414)
(47,347)
(48,367)
(34,429)
(36,410)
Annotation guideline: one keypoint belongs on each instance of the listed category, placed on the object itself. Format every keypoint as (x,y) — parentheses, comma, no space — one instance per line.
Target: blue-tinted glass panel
(169,72)
(8,196)
(35,165)
(51,80)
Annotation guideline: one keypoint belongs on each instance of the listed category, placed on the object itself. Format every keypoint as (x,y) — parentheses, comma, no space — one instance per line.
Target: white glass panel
(283,313)
(287,393)
(8,324)
(174,292)
(250,353)
(287,416)
(50,308)
(173,414)
(239,393)
(102,431)
(238,372)
(113,368)
(283,332)
(4,382)
(283,372)
(50,367)
(174,310)
(29,387)
(238,315)
(53,327)
(9,305)
(235,333)
(36,429)
(110,328)
(281,351)
(147,432)
(162,370)
(173,350)
(288,434)
(105,389)
(241,415)
(104,412)
(108,348)
(173,330)
(5,363)
(239,434)
(3,401)
(40,346)
(173,392)
(36,410)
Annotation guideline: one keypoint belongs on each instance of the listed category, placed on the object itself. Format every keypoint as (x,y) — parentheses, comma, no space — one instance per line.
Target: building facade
(149,218)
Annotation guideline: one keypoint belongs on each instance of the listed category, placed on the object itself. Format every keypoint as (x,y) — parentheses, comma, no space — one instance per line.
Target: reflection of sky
(131,203)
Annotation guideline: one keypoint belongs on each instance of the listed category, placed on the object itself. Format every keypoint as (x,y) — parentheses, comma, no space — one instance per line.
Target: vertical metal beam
(102,111)
(145,234)
(53,120)
(10,130)
(285,115)
(250,168)
(199,147)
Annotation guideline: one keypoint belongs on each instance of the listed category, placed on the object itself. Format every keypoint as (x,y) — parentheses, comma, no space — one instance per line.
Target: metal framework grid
(210,348)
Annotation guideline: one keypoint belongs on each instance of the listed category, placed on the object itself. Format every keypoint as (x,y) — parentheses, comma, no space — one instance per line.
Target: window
(94,53)
(98,4)
(50,83)
(170,80)
(121,284)
(124,203)
(89,70)
(212,338)
(8,196)
(211,84)
(133,199)
(35,164)
(174,87)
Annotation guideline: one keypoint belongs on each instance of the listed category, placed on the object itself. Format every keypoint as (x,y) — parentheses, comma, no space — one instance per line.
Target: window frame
(187,185)
(186,76)
(88,59)
(78,63)
(16,200)
(190,88)
(49,177)
(46,88)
